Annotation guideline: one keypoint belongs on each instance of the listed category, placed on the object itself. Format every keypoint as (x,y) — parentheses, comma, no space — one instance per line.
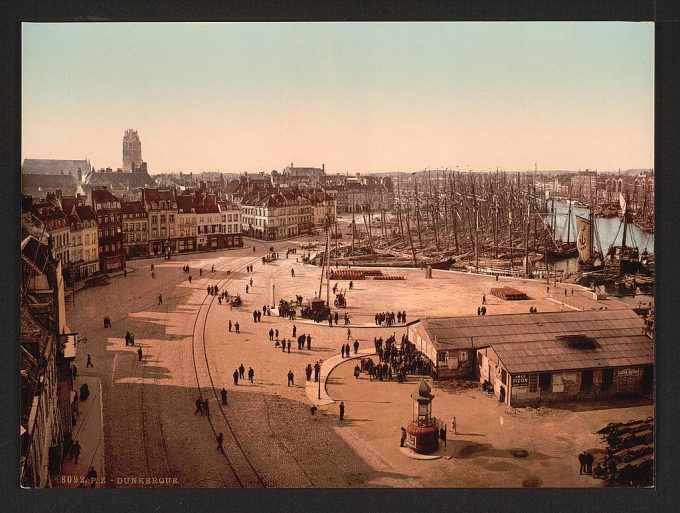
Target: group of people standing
(240,373)
(345,349)
(388,318)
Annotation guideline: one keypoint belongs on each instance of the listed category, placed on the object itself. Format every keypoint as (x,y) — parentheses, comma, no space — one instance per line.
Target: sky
(357,97)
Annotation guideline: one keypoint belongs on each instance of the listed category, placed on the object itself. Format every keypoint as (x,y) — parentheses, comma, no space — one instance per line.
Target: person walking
(251,282)
(290,378)
(199,406)
(152,268)
(453,426)
(317,368)
(582,462)
(189,279)
(271,334)
(92,477)
(483,299)
(160,299)
(349,333)
(357,371)
(246,289)
(89,361)
(309,342)
(241,371)
(288,345)
(403,437)
(251,374)
(75,451)
(308,371)
(139,353)
(342,350)
(342,410)
(294,330)
(220,439)
(237,327)
(206,408)
(235,377)
(229,326)
(223,393)
(356,346)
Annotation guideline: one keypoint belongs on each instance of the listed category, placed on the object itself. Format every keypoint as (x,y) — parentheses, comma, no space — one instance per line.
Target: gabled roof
(103,196)
(132,207)
(39,185)
(86,213)
(536,342)
(55,167)
(120,181)
(185,203)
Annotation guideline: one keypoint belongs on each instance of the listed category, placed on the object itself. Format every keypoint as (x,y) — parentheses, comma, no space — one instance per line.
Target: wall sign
(520,380)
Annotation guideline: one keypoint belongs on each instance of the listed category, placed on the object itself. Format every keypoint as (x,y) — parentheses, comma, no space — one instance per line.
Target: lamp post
(319,382)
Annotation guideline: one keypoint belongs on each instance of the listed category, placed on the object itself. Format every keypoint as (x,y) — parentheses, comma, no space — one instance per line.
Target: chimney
(323,168)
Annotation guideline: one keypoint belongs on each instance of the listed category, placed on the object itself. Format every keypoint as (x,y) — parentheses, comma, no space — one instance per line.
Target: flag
(583,238)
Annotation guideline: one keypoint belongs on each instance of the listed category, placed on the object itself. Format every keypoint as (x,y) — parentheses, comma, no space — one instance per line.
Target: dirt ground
(271,437)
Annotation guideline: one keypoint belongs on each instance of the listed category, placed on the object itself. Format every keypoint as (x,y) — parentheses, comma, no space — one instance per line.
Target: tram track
(234,454)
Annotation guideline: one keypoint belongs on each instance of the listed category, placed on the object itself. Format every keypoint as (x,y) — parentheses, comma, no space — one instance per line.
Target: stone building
(135,229)
(186,223)
(46,400)
(107,207)
(84,237)
(161,205)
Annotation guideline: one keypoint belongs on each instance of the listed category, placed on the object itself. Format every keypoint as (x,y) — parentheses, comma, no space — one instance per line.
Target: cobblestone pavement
(152,435)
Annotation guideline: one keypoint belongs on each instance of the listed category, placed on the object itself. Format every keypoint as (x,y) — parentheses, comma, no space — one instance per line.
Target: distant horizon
(253,97)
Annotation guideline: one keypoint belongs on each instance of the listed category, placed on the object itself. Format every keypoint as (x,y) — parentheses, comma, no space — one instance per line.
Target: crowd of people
(394,361)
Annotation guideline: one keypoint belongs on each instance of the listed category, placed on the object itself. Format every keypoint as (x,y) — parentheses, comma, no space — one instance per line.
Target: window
(504,377)
(586,379)
(544,380)
(154,219)
(607,378)
(441,356)
(533,382)
(171,217)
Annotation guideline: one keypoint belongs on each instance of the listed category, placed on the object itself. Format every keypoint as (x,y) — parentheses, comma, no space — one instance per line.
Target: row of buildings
(98,233)
(49,405)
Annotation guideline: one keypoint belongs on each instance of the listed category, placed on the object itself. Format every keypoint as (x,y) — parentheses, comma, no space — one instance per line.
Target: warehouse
(543,358)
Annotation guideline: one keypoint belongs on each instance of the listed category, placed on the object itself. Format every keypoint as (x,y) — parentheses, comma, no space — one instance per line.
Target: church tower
(132,151)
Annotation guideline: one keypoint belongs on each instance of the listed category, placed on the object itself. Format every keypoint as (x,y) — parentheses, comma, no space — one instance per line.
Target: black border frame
(665,13)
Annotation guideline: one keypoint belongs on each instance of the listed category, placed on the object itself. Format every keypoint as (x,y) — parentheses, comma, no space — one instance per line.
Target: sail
(622,202)
(583,238)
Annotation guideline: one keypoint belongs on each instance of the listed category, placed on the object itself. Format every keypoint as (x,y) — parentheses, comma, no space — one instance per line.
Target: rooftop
(550,341)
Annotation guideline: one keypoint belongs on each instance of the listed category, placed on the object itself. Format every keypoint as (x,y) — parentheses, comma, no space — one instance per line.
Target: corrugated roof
(528,342)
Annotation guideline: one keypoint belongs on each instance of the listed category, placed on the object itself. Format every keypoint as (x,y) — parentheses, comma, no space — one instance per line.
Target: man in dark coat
(235,377)
(223,393)
(342,410)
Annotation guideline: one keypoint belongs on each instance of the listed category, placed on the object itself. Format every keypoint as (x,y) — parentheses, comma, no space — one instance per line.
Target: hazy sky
(355,96)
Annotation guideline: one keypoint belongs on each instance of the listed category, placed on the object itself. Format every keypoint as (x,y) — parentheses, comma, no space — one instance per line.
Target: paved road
(152,436)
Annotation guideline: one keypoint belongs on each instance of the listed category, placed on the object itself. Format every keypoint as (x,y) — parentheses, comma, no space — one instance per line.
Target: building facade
(231,224)
(135,229)
(161,205)
(186,223)
(110,230)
